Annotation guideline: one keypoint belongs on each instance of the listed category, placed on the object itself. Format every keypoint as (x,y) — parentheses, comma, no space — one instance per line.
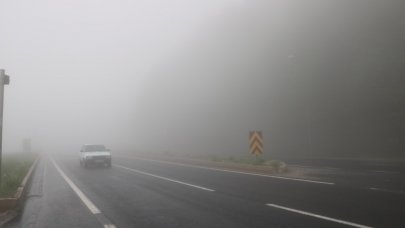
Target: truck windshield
(94,148)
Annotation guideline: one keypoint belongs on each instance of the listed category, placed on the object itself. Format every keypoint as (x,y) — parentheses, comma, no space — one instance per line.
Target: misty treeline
(319,78)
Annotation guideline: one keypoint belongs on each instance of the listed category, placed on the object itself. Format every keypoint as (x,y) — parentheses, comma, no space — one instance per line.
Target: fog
(77,67)
(319,78)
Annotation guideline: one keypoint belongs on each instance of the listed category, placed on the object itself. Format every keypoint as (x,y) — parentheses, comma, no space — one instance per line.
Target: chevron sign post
(256,142)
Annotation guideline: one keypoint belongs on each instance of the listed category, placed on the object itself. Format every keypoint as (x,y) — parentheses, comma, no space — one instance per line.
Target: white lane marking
(387,190)
(109,226)
(239,172)
(164,178)
(79,193)
(388,172)
(318,216)
(90,205)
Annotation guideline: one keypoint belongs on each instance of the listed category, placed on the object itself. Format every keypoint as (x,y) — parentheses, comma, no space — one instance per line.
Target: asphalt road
(374,165)
(145,193)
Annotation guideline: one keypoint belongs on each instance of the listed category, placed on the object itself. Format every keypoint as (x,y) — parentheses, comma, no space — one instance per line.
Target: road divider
(90,205)
(318,216)
(164,178)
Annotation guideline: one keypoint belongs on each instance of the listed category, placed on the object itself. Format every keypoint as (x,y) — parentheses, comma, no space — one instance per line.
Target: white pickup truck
(95,154)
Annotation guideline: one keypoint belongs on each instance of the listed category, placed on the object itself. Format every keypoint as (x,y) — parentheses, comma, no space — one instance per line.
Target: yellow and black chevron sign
(256,142)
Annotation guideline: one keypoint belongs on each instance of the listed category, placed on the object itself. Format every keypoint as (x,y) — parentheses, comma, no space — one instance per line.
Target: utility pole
(4,80)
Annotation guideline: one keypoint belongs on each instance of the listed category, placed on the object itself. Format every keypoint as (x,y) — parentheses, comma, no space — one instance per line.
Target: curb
(24,182)
(8,205)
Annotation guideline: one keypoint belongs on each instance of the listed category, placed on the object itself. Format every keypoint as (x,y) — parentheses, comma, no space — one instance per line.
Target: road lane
(272,205)
(228,170)
(52,203)
(133,199)
(350,204)
(105,222)
(318,216)
(389,181)
(165,178)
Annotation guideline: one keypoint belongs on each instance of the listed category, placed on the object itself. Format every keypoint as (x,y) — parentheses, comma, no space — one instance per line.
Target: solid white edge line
(239,172)
(79,193)
(90,205)
(164,178)
(318,216)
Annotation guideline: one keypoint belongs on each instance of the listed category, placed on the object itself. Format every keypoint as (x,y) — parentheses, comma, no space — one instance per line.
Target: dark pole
(4,80)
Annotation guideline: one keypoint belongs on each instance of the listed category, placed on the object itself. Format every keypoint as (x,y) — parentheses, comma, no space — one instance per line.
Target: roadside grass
(14,168)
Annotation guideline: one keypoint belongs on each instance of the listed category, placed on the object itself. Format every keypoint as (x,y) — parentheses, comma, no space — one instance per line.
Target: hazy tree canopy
(318,77)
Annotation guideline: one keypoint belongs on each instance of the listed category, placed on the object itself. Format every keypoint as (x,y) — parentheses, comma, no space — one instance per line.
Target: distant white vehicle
(95,154)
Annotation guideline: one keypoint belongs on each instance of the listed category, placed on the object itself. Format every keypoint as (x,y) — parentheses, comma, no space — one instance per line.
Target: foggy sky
(76,66)
(197,76)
